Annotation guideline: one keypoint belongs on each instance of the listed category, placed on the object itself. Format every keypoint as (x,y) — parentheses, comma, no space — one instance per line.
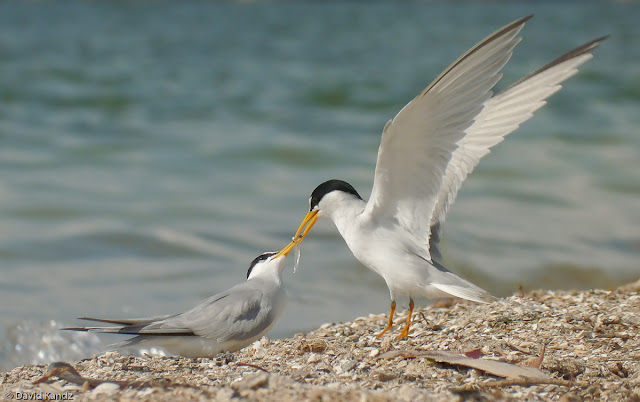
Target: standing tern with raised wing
(426,152)
(225,322)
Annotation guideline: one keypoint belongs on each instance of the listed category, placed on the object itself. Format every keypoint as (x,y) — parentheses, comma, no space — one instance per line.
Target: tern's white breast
(391,252)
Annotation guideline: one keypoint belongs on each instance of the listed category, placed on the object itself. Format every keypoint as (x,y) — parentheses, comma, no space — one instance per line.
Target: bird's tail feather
(136,330)
(104,330)
(472,292)
(451,284)
(127,321)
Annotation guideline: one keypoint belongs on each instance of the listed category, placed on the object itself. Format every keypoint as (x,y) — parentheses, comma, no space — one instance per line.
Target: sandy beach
(566,345)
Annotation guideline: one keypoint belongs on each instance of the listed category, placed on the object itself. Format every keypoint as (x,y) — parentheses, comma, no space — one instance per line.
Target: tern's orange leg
(405,331)
(390,323)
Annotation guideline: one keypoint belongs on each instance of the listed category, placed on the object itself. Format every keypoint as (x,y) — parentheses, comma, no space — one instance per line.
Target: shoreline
(585,344)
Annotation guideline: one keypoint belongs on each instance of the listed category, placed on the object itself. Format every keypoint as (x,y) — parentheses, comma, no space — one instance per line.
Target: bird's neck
(270,274)
(346,217)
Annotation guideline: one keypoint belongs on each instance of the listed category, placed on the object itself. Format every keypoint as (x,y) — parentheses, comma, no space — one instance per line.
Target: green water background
(150,150)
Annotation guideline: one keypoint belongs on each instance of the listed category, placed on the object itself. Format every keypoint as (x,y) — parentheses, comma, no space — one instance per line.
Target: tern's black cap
(329,186)
(260,258)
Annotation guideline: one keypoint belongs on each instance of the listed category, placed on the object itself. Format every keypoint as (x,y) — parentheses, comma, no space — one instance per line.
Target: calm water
(150,151)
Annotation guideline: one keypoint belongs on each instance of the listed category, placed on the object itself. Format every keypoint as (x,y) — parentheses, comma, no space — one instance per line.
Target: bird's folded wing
(501,115)
(127,321)
(136,330)
(235,314)
(418,143)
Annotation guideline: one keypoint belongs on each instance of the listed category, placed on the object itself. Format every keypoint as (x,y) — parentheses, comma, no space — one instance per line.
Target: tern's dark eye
(258,259)
(328,187)
(313,202)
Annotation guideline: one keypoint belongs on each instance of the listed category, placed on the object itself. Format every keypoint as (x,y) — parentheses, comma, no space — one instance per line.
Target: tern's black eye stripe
(260,258)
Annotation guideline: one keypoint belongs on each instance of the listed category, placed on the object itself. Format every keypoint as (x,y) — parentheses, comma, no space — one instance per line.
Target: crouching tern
(225,322)
(426,152)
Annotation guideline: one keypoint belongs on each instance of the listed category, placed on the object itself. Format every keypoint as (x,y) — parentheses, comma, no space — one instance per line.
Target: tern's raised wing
(501,115)
(418,143)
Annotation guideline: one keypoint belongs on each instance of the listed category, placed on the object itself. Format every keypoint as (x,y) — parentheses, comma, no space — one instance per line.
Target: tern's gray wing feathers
(434,242)
(134,326)
(239,313)
(227,321)
(417,144)
(135,330)
(131,326)
(501,115)
(127,321)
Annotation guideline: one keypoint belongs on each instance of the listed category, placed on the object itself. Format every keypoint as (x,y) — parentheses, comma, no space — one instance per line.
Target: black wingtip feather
(106,320)
(572,54)
(517,24)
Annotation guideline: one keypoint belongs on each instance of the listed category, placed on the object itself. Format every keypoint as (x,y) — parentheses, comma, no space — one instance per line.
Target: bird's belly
(195,346)
(405,273)
(186,346)
(406,266)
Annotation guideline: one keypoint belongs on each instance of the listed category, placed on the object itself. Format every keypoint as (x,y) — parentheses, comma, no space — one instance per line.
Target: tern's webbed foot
(387,328)
(404,333)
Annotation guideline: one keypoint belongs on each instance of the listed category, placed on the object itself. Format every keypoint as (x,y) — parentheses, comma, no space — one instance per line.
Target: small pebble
(106,388)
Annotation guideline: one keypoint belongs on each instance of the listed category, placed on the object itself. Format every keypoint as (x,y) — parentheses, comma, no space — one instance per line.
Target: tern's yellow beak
(308,221)
(287,248)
